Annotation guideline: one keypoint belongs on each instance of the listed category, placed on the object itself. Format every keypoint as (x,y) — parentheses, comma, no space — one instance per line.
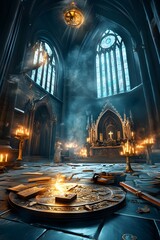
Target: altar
(108,132)
(108,151)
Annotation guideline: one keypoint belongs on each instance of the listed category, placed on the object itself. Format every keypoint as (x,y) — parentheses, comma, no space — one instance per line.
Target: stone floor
(127,219)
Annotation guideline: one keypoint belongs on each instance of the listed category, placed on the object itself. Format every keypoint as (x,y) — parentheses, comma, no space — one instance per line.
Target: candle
(6,157)
(21,131)
(3,157)
(127,150)
(151,140)
(88,139)
(148,141)
(101,137)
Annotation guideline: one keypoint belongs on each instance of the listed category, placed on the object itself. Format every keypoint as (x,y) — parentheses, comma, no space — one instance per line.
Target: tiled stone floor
(146,226)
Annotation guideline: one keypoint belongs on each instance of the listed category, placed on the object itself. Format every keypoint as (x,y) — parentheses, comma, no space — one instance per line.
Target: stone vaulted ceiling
(47,17)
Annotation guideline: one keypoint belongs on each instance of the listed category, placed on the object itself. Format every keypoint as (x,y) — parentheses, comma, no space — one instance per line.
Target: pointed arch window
(111,65)
(45,74)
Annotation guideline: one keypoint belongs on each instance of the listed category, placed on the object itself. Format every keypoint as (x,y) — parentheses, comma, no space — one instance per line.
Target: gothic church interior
(79,95)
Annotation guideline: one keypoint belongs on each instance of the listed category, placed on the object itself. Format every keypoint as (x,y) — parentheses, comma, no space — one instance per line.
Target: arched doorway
(110,127)
(41,132)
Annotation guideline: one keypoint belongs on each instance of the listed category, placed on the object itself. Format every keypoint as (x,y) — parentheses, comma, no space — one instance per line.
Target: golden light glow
(60,187)
(128,149)
(21,134)
(88,140)
(44,58)
(73,16)
(148,141)
(58,184)
(3,157)
(71,145)
(83,152)
(21,131)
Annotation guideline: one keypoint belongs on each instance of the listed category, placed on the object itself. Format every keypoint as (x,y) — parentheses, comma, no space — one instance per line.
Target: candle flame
(71,145)
(128,149)
(3,157)
(83,152)
(21,131)
(148,141)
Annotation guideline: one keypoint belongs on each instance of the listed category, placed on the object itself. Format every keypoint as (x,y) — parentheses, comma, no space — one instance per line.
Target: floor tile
(57,235)
(10,230)
(116,226)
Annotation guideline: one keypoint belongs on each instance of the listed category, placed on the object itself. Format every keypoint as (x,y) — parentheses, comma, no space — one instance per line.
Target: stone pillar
(7,104)
(151,72)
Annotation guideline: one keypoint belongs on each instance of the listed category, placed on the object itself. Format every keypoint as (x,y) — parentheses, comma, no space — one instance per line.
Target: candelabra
(21,134)
(128,151)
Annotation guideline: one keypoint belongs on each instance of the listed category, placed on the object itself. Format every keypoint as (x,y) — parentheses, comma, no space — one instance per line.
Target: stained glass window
(111,65)
(45,74)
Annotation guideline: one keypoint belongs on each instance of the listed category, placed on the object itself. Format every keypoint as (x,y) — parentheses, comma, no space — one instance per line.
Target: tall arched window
(45,74)
(111,65)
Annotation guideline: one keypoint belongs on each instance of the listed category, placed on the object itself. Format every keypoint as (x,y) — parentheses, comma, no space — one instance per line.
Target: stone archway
(41,132)
(109,124)
(110,127)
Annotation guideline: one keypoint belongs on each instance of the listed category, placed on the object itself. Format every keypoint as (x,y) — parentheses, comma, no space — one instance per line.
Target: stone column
(7,104)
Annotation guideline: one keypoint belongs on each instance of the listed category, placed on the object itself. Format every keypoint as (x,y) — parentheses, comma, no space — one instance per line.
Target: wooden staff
(141,194)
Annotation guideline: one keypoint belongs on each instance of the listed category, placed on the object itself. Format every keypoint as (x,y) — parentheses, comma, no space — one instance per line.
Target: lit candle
(127,147)
(1,159)
(6,157)
(132,135)
(124,149)
(21,131)
(151,140)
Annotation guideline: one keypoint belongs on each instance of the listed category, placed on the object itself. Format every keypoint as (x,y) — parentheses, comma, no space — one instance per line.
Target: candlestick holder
(128,164)
(22,135)
(129,150)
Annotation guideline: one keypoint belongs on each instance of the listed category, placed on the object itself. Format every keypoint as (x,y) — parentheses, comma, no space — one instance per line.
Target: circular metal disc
(91,200)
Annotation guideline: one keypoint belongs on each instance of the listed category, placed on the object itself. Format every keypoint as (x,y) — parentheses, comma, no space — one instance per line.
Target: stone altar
(108,151)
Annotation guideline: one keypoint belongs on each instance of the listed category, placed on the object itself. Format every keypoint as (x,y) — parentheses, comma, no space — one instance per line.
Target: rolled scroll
(141,194)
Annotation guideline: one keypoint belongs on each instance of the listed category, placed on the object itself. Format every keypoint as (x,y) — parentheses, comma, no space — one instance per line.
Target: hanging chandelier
(73,16)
